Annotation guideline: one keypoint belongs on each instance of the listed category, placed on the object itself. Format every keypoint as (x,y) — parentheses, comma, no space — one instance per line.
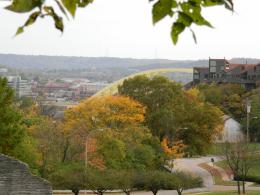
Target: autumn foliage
(175,151)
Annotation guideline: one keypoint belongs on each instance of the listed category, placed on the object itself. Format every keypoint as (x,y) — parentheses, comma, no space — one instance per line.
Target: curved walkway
(192,165)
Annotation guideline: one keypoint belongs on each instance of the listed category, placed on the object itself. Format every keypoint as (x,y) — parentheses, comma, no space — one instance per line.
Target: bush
(250,178)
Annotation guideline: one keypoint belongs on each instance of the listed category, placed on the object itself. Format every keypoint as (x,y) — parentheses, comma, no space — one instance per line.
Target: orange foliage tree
(102,113)
(174,151)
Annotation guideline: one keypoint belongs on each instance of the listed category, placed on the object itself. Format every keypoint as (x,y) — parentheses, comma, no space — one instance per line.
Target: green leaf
(84,3)
(194,11)
(57,19)
(199,20)
(185,19)
(22,6)
(70,5)
(208,3)
(59,23)
(161,9)
(174,4)
(32,18)
(19,31)
(177,28)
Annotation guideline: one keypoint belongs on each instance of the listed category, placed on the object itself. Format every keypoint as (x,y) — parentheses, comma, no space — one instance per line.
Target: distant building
(22,88)
(232,131)
(89,89)
(3,71)
(222,71)
(55,107)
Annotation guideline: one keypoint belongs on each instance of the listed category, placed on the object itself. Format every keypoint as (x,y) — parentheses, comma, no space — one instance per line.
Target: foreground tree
(49,143)
(240,158)
(116,137)
(180,181)
(162,180)
(184,13)
(101,181)
(12,132)
(154,181)
(126,180)
(71,176)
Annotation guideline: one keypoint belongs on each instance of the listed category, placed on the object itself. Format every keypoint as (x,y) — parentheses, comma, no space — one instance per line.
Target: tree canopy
(174,113)
(11,129)
(117,137)
(183,13)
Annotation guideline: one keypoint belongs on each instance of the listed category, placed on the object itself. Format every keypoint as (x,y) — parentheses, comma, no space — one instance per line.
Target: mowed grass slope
(254,171)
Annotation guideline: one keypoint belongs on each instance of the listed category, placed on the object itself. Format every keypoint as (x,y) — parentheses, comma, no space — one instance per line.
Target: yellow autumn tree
(102,113)
(110,111)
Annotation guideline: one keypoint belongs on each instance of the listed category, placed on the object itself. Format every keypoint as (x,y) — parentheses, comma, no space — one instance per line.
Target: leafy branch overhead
(183,12)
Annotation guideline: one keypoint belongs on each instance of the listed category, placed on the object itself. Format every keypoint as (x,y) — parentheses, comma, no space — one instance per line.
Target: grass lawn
(216,149)
(227,193)
(254,171)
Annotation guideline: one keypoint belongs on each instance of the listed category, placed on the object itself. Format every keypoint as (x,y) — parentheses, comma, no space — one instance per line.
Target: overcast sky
(123,28)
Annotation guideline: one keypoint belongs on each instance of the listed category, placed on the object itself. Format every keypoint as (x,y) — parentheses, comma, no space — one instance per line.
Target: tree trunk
(238,187)
(244,187)
(179,192)
(65,151)
(100,192)
(127,192)
(75,192)
(154,192)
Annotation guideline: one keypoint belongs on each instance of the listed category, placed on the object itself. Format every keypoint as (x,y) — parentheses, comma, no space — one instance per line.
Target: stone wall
(16,179)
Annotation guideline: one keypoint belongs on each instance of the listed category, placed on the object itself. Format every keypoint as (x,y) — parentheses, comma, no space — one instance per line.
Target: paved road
(192,165)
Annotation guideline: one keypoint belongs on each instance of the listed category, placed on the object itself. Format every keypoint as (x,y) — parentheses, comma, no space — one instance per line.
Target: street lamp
(86,146)
(248,109)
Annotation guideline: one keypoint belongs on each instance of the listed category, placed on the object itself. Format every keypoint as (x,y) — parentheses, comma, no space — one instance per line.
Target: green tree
(228,97)
(254,116)
(174,113)
(49,144)
(183,13)
(71,176)
(155,181)
(11,131)
(113,152)
(126,180)
(160,96)
(211,93)
(118,138)
(180,181)
(202,123)
(100,181)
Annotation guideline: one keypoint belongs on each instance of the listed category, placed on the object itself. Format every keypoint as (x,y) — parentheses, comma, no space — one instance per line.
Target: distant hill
(95,68)
(66,62)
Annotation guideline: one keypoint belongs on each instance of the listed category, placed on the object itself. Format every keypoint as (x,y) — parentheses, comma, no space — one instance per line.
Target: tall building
(21,87)
(222,71)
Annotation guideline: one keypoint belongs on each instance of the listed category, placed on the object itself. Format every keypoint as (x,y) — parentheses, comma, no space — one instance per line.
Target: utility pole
(87,142)
(248,109)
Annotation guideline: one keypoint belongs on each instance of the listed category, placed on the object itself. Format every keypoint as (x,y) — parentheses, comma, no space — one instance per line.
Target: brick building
(222,71)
